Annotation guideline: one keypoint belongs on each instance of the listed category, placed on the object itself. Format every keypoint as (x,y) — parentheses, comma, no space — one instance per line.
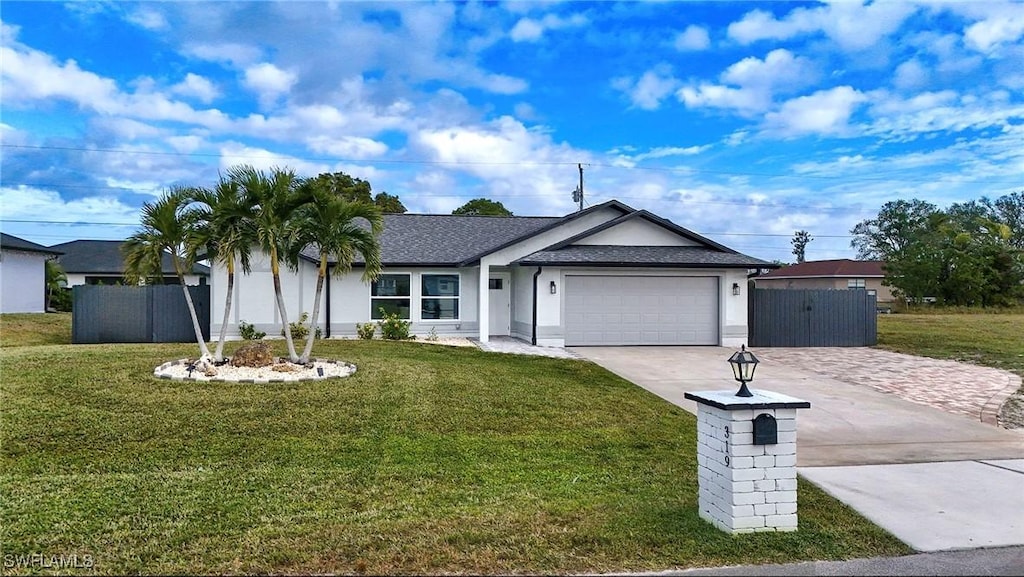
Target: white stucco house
(101,262)
(607,275)
(23,275)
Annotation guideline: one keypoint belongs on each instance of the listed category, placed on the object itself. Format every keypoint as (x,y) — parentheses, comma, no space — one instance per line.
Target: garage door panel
(620,310)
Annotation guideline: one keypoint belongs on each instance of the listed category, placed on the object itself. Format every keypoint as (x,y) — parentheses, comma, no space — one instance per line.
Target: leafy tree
(227,231)
(897,225)
(274,198)
(168,226)
(1009,210)
(800,240)
(332,225)
(55,281)
(358,190)
(389,204)
(483,207)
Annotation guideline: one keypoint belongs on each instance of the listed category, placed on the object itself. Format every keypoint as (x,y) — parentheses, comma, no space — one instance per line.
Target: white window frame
(856,283)
(457,298)
(408,297)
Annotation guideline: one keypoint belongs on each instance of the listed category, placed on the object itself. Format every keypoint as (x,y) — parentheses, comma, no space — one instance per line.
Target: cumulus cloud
(197,87)
(532,30)
(754,83)
(268,81)
(910,74)
(29,75)
(148,19)
(347,146)
(234,53)
(650,89)
(1004,27)
(851,25)
(826,112)
(693,38)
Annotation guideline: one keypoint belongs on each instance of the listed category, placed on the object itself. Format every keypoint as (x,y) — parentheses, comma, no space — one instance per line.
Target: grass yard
(18,330)
(993,340)
(429,459)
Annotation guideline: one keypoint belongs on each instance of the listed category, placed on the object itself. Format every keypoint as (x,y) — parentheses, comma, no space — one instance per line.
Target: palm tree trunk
(321,274)
(219,354)
(191,309)
(275,270)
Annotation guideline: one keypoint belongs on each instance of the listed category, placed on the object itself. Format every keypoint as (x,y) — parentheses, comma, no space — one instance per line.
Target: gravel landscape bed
(279,372)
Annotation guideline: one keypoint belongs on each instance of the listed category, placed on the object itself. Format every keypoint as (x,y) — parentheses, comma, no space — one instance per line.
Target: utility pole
(577,195)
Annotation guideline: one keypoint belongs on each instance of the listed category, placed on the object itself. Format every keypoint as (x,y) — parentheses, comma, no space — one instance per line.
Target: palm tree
(168,226)
(331,225)
(55,280)
(273,199)
(227,233)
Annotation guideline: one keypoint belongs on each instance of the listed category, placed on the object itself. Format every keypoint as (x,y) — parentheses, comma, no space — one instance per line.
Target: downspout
(327,331)
(533,341)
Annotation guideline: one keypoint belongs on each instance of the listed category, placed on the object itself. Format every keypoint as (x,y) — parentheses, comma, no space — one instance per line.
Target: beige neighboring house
(839,274)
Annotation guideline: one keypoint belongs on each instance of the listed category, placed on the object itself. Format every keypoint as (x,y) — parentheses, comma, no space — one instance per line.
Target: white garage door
(648,310)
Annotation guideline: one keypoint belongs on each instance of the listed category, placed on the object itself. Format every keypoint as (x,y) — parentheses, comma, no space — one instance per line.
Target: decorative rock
(256,354)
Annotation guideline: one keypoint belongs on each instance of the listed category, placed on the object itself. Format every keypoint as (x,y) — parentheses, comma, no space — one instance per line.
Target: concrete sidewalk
(936,480)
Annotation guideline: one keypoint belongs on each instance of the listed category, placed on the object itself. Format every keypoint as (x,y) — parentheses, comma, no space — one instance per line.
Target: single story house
(607,275)
(838,274)
(101,262)
(23,275)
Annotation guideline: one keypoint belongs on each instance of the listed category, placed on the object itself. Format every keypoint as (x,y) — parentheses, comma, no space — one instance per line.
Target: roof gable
(693,238)
(11,242)
(830,268)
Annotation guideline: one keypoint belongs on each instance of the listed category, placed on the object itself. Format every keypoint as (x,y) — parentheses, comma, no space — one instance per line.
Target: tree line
(970,254)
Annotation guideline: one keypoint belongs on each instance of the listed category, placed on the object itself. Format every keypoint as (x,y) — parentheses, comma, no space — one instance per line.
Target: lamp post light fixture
(743,364)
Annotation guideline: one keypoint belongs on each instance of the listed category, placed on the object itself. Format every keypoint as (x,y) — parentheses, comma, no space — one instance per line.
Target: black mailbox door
(766,430)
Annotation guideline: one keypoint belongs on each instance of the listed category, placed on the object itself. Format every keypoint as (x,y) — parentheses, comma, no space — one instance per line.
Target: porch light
(736,288)
(743,364)
(554,289)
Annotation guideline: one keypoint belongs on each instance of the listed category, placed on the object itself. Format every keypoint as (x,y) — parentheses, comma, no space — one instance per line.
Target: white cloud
(1004,27)
(197,87)
(148,19)
(347,146)
(650,89)
(268,81)
(910,74)
(532,30)
(236,54)
(30,75)
(779,67)
(825,112)
(693,38)
(30,202)
(758,81)
(851,25)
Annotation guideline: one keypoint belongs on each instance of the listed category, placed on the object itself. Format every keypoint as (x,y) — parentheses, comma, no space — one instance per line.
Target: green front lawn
(982,338)
(19,330)
(430,459)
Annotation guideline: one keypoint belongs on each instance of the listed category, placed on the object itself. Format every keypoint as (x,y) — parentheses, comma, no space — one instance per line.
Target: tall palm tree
(227,232)
(273,198)
(168,226)
(332,226)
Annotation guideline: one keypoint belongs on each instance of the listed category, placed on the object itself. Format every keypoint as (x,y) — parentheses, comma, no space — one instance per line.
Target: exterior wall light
(554,289)
(743,364)
(736,288)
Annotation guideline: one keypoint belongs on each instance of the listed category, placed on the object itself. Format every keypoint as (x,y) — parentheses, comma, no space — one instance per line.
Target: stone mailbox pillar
(746,456)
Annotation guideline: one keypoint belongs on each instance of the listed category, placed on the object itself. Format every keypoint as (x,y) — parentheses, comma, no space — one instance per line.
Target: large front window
(392,293)
(439,297)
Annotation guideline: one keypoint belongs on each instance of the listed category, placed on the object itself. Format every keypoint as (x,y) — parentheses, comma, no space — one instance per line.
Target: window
(390,292)
(855,283)
(495,284)
(440,297)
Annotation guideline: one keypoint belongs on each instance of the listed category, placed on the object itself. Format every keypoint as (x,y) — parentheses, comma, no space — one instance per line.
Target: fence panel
(137,314)
(812,318)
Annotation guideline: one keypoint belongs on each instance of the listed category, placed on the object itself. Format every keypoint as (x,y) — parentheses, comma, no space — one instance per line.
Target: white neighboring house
(607,275)
(23,275)
(101,262)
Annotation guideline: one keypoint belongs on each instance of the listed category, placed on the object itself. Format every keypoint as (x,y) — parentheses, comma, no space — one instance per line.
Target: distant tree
(897,225)
(482,207)
(801,239)
(55,281)
(388,204)
(1010,211)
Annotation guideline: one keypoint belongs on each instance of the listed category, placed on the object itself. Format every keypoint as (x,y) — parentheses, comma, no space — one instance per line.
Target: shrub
(60,300)
(393,327)
(432,336)
(249,332)
(366,331)
(300,330)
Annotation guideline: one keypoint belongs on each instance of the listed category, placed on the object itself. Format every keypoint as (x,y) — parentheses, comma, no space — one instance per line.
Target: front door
(498,287)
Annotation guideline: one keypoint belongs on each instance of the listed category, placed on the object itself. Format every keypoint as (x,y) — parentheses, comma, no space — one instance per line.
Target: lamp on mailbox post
(743,364)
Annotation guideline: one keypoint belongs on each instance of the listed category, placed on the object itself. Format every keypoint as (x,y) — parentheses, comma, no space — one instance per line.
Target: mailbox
(766,430)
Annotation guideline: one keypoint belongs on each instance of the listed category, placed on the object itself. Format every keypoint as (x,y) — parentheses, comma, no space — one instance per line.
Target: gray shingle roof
(656,256)
(14,243)
(104,257)
(447,240)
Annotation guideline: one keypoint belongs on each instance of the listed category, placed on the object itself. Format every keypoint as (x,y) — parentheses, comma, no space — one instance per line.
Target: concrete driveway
(937,479)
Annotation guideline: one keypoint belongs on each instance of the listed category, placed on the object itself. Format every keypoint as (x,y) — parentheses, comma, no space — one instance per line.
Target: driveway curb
(990,411)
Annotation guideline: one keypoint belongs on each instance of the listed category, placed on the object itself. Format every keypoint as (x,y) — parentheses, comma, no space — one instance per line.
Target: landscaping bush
(366,331)
(300,330)
(393,327)
(249,332)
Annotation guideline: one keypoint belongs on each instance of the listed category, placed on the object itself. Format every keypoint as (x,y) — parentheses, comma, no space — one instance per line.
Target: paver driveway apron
(858,442)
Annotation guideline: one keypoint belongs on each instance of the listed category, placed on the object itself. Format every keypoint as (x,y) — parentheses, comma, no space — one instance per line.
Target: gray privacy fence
(137,314)
(812,318)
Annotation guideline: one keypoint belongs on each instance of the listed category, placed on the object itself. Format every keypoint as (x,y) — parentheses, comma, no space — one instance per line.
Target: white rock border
(177,371)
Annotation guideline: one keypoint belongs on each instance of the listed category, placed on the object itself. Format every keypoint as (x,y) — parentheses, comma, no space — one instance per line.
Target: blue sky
(742,121)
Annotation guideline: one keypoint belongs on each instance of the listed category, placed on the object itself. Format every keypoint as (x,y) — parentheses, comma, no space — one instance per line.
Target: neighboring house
(23,275)
(607,275)
(101,262)
(839,274)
